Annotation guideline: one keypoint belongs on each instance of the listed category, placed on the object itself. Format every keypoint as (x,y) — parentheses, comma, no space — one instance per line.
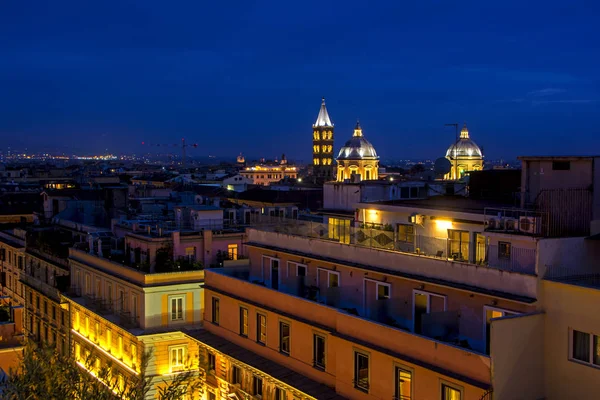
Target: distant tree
(44,374)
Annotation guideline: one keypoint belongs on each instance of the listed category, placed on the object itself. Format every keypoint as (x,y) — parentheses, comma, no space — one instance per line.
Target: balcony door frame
(377,283)
(428,294)
(270,266)
(504,312)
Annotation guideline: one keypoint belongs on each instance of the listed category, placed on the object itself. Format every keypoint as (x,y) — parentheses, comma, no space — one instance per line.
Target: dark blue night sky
(249,76)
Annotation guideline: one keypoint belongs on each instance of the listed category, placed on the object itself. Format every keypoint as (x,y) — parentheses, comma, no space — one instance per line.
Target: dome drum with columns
(357,158)
(464,156)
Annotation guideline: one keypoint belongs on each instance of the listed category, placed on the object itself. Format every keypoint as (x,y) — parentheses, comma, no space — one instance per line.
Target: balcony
(111,311)
(139,277)
(514,275)
(42,287)
(375,327)
(443,249)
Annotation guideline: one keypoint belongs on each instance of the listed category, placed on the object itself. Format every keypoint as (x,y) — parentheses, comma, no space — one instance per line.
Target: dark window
(212,362)
(212,396)
(414,192)
(581,346)
(319,351)
(301,271)
(504,250)
(257,388)
(561,165)
(261,329)
(54,313)
(236,375)
(361,371)
(404,192)
(284,338)
(279,394)
(215,311)
(243,322)
(37,302)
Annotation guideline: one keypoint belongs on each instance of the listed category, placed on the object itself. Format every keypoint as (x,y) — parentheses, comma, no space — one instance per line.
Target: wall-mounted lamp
(494,302)
(421,286)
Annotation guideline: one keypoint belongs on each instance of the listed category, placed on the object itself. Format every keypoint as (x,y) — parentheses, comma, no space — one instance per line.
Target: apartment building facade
(120,314)
(367,322)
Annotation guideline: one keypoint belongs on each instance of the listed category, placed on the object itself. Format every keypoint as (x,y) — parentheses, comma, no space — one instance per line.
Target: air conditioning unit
(416,219)
(511,224)
(532,225)
(494,224)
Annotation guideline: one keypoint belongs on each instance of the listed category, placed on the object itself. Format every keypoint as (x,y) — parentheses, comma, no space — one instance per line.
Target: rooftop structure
(357,159)
(464,156)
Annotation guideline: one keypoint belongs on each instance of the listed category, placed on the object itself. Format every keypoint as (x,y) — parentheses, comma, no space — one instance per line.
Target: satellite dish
(442,166)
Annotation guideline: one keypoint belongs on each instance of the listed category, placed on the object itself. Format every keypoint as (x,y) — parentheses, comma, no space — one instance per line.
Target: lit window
(284,338)
(383,291)
(243,322)
(450,393)
(232,250)
(403,384)
(406,233)
(176,311)
(261,329)
(176,356)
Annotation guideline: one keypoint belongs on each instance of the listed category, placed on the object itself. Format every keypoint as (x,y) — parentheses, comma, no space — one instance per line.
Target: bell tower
(323,165)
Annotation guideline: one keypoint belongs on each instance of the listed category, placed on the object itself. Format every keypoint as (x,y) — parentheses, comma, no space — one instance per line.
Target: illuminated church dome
(357,158)
(357,148)
(464,156)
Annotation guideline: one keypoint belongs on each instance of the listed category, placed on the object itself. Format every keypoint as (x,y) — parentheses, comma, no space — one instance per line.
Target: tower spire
(323,117)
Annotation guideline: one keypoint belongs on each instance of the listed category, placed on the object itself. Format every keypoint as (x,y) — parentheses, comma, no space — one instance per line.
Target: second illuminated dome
(357,157)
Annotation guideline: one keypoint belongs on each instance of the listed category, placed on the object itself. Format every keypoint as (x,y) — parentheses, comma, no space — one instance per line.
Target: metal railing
(108,308)
(520,259)
(40,286)
(514,260)
(573,276)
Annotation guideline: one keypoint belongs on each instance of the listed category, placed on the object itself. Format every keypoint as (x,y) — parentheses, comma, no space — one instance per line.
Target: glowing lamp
(443,224)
